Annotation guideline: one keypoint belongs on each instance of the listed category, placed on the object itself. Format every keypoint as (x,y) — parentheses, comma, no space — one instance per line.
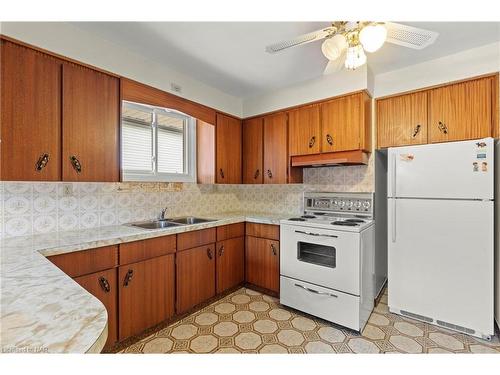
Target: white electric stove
(327,258)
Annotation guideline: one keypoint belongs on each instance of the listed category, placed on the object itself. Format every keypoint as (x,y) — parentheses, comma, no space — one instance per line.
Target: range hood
(356,157)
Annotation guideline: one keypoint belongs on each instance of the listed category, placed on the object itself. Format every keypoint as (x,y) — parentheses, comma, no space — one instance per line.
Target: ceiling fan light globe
(355,57)
(372,37)
(333,47)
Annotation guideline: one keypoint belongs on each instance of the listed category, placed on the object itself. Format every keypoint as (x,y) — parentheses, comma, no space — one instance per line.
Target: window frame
(189,139)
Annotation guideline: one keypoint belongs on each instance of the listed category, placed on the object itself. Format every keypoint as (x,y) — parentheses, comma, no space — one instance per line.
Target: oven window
(316,254)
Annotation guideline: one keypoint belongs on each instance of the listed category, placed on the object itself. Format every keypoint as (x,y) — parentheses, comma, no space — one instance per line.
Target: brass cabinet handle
(312,141)
(273,248)
(442,127)
(221,250)
(257,173)
(104,283)
(329,139)
(269,173)
(128,277)
(209,253)
(42,162)
(221,173)
(77,166)
(416,130)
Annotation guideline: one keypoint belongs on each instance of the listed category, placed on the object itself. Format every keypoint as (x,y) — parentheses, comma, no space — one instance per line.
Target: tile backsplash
(32,208)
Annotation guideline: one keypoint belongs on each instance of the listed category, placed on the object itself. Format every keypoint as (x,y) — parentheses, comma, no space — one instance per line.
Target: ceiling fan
(346,42)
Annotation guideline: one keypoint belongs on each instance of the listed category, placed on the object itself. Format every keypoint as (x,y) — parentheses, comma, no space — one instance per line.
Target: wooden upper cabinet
(228,149)
(346,123)
(91,107)
(205,152)
(275,149)
(402,120)
(461,111)
(30,115)
(253,152)
(304,131)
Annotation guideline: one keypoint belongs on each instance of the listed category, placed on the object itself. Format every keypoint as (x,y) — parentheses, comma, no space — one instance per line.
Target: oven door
(324,257)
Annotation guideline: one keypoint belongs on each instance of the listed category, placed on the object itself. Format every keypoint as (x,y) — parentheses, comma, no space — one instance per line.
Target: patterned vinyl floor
(247,321)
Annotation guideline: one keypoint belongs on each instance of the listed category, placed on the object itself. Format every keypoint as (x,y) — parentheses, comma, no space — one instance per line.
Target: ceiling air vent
(409,36)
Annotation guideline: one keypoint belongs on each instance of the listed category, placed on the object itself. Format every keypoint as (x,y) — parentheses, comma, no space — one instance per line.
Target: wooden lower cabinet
(103,286)
(262,263)
(146,294)
(195,272)
(230,263)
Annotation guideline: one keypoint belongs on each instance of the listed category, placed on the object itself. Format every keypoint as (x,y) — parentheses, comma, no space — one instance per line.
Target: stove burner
(297,219)
(345,223)
(355,220)
(308,216)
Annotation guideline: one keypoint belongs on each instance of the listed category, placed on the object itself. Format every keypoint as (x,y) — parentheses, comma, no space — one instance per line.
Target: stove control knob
(342,204)
(366,205)
(357,205)
(350,204)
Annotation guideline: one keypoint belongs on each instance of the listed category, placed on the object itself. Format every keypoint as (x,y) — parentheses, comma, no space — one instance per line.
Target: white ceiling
(230,55)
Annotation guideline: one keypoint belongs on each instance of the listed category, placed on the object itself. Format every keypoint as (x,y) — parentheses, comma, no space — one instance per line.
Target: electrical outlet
(67,190)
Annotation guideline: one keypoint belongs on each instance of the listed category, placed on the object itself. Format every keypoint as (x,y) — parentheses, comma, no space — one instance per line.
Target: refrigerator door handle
(393,219)
(393,187)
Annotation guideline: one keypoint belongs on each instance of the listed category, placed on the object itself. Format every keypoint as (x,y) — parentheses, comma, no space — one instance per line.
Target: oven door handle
(316,234)
(316,291)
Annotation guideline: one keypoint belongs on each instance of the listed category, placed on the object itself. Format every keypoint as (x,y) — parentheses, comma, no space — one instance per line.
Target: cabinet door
(275,149)
(402,120)
(205,152)
(253,151)
(146,294)
(195,276)
(228,150)
(304,131)
(262,263)
(91,106)
(30,115)
(103,286)
(461,111)
(230,263)
(342,122)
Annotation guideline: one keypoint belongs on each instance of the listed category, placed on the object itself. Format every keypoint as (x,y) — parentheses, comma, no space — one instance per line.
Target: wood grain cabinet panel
(225,232)
(136,251)
(84,262)
(146,294)
(30,105)
(262,263)
(195,238)
(253,152)
(230,264)
(269,231)
(90,122)
(402,120)
(461,111)
(343,123)
(304,131)
(205,152)
(103,285)
(228,140)
(195,272)
(275,149)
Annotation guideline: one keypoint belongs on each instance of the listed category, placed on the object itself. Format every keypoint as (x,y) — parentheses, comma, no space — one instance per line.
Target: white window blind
(157,144)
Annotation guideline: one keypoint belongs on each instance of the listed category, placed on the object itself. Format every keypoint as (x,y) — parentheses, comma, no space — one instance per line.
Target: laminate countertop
(44,311)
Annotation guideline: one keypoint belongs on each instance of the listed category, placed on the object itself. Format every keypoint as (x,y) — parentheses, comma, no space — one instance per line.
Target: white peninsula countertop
(42,310)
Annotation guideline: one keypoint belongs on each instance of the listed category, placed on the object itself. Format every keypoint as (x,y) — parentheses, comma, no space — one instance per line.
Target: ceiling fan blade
(409,36)
(300,40)
(335,65)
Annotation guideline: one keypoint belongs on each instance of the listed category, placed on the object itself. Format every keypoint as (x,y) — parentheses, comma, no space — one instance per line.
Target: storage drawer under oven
(324,257)
(331,305)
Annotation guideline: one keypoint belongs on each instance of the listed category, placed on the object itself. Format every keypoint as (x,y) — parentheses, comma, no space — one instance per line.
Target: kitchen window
(158,144)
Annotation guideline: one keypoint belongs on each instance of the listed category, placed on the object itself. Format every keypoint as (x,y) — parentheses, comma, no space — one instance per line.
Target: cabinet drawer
(230,231)
(140,250)
(86,261)
(269,231)
(195,238)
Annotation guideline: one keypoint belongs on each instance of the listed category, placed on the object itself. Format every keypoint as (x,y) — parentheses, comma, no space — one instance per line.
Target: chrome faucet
(163,213)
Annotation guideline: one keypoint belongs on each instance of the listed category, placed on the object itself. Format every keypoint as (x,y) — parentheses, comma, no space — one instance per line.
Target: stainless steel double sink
(167,223)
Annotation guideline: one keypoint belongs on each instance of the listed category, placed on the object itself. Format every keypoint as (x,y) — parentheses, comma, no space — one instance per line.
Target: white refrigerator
(440,234)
